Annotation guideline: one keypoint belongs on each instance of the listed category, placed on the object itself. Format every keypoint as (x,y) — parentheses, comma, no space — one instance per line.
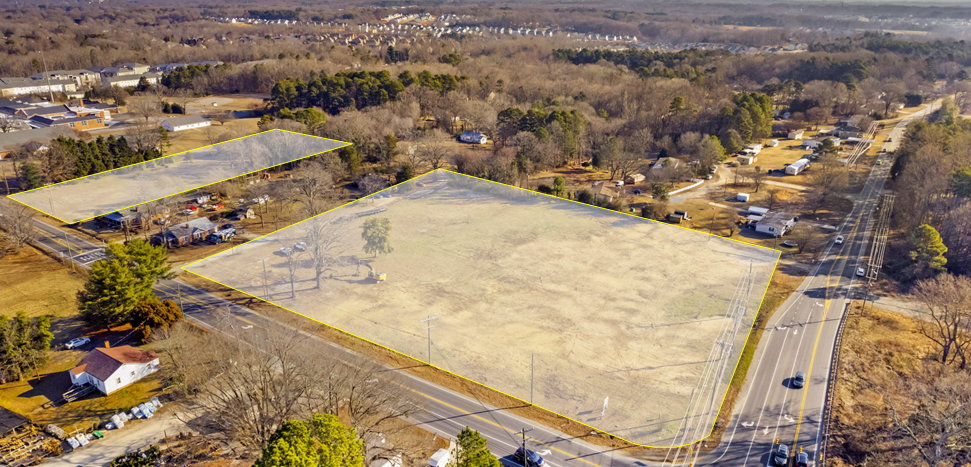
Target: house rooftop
(187,120)
(103,362)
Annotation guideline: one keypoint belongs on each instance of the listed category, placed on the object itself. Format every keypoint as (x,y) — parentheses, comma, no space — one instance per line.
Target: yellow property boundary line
(728,386)
(344,145)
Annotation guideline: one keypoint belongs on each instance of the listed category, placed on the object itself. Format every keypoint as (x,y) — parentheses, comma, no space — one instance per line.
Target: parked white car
(78,342)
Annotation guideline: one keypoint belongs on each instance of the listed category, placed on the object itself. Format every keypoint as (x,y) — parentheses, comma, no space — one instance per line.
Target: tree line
(354,90)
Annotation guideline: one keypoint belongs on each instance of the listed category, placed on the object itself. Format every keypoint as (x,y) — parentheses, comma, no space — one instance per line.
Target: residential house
(797,167)
(22,86)
(128,80)
(775,224)
(186,233)
(119,220)
(666,162)
(746,159)
(185,123)
(110,369)
(473,137)
(606,193)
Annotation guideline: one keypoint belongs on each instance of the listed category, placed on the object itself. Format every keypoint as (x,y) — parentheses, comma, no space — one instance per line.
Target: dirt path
(786,185)
(132,437)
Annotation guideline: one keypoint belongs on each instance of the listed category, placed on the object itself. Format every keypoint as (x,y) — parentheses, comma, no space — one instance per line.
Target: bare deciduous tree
(433,149)
(371,183)
(946,315)
(315,185)
(18,226)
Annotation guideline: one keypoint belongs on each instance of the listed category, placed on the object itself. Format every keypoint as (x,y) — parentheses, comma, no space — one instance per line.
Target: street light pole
(429,329)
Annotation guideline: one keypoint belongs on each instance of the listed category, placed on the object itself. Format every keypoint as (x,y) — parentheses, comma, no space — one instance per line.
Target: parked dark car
(532,459)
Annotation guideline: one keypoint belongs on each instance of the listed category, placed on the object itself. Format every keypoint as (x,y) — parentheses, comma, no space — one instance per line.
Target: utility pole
(266,292)
(429,329)
(3,173)
(532,366)
(46,74)
(527,462)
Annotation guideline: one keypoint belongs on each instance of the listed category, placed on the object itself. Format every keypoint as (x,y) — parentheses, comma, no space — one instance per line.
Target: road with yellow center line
(771,408)
(445,412)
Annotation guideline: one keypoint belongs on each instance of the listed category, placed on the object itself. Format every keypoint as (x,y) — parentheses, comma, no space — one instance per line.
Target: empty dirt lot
(102,193)
(609,305)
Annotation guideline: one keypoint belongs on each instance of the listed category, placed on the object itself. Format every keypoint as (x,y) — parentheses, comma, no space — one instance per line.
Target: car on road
(77,342)
(531,459)
(799,380)
(839,240)
(802,460)
(781,456)
(860,272)
(790,243)
(300,246)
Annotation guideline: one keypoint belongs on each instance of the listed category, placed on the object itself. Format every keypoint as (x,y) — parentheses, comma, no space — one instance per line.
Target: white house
(473,137)
(775,224)
(110,369)
(185,123)
(796,134)
(753,149)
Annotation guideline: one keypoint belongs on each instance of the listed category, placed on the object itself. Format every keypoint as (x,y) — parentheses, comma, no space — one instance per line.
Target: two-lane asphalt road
(444,412)
(801,337)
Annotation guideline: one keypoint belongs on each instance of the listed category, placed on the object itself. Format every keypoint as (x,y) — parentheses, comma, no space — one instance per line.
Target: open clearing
(596,303)
(87,197)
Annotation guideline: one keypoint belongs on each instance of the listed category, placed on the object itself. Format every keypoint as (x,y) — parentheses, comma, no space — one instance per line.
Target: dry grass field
(87,197)
(605,305)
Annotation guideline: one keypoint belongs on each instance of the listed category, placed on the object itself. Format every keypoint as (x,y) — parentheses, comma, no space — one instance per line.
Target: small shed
(796,134)
(746,159)
(742,196)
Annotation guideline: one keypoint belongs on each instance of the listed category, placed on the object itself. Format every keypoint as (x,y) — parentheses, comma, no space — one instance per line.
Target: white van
(439,459)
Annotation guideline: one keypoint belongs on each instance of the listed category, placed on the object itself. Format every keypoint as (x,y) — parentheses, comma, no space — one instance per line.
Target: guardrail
(831,385)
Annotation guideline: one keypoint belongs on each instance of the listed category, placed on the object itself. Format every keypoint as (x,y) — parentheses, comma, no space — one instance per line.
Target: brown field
(191,139)
(95,195)
(32,282)
(608,305)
